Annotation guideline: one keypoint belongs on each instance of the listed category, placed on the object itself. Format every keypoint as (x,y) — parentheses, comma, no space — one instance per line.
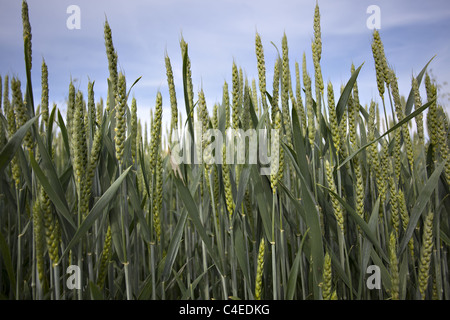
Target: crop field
(288,188)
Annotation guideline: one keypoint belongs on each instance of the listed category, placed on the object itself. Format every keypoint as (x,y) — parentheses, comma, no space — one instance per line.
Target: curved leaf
(10,149)
(343,100)
(96,211)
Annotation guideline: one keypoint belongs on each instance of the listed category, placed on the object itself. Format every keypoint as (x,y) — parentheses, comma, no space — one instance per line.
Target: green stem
(341,242)
(272,243)
(224,287)
(205,266)
(152,268)
(56,281)
(233,263)
(125,236)
(274,272)
(244,224)
(33,266)
(314,171)
(127,280)
(19,246)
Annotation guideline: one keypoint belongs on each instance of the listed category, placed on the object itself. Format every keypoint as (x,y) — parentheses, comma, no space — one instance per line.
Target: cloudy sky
(219,32)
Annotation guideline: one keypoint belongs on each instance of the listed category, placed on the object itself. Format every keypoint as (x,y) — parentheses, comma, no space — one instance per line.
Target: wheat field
(92,207)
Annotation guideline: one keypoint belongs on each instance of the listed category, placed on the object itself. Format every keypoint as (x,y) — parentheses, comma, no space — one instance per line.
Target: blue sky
(219,32)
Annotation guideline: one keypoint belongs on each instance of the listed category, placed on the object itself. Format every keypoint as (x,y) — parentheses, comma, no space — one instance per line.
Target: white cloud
(218,32)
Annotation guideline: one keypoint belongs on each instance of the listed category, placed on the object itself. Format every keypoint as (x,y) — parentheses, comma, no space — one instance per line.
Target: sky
(219,32)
